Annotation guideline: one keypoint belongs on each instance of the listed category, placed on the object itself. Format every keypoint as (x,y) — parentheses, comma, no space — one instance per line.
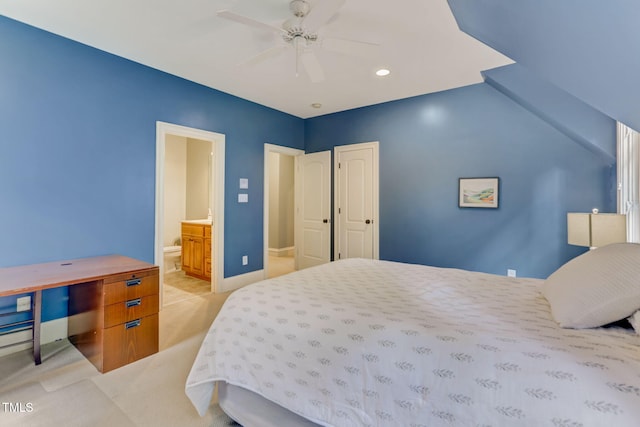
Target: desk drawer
(132,309)
(129,342)
(129,289)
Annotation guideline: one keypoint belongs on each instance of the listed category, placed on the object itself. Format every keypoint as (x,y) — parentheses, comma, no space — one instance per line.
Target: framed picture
(478,192)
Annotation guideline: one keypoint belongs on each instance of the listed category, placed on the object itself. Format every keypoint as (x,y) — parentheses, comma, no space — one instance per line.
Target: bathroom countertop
(198,221)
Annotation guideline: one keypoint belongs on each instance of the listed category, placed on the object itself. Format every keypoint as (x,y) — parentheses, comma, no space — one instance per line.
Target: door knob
(325,221)
(368,221)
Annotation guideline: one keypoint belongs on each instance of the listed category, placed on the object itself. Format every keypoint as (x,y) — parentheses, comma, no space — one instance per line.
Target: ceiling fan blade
(312,66)
(320,14)
(245,20)
(263,56)
(351,47)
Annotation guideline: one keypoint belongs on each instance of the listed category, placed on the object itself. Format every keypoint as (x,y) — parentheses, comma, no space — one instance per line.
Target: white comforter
(375,343)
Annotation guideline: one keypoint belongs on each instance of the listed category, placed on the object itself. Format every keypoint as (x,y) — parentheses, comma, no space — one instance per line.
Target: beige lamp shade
(597,229)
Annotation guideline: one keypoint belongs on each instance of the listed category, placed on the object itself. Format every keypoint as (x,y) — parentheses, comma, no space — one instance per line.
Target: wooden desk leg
(37,314)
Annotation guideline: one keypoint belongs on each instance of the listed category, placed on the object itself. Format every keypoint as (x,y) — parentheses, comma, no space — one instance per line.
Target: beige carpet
(66,390)
(280,265)
(179,287)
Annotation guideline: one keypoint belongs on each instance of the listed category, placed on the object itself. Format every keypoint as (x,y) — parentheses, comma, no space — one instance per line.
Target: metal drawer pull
(134,302)
(132,324)
(134,282)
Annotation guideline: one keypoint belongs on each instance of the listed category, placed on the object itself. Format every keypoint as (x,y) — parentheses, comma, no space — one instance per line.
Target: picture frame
(478,192)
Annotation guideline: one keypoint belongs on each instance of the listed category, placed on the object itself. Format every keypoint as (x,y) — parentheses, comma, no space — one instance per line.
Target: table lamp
(596,229)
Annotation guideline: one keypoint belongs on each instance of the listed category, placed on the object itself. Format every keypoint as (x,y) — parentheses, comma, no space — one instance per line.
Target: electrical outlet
(245,259)
(23,304)
(511,273)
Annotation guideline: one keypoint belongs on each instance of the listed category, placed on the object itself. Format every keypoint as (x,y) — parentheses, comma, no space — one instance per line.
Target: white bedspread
(376,343)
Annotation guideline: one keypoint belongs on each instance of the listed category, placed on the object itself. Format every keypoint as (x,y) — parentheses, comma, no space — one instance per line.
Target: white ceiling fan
(301,33)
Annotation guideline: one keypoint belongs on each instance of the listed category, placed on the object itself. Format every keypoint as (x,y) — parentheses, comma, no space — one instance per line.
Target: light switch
(243,198)
(244,183)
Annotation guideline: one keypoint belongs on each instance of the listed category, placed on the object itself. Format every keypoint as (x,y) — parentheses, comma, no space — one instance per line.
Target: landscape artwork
(478,192)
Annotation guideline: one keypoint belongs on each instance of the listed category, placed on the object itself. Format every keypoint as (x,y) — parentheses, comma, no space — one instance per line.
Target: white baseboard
(50,331)
(53,330)
(288,252)
(237,282)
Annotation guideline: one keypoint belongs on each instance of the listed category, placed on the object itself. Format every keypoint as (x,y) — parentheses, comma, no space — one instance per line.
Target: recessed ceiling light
(383,72)
(316,105)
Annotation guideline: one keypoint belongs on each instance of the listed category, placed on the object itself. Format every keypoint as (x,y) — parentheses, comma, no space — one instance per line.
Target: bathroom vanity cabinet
(196,249)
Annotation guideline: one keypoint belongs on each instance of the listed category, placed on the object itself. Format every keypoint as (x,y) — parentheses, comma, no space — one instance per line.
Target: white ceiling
(419,42)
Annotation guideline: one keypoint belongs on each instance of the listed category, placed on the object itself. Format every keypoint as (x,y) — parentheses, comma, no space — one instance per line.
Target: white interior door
(357,201)
(313,209)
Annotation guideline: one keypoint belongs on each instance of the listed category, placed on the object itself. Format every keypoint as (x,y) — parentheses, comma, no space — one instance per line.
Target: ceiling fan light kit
(300,32)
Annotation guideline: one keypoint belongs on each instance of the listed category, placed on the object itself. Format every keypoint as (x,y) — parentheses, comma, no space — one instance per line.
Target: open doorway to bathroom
(187,218)
(189,211)
(279,210)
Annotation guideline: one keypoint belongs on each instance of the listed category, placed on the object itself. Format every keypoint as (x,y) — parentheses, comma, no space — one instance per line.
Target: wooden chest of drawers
(114,321)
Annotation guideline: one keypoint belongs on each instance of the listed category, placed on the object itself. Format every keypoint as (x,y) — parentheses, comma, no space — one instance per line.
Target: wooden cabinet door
(193,254)
(197,258)
(187,254)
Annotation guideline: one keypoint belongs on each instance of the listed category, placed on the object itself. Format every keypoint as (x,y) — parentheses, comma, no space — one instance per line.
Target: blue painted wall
(589,48)
(77,153)
(577,120)
(428,142)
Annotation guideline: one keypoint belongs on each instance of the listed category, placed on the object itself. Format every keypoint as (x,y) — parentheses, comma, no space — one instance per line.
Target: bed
(377,343)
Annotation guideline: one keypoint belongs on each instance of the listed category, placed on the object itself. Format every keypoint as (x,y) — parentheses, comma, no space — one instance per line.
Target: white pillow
(596,288)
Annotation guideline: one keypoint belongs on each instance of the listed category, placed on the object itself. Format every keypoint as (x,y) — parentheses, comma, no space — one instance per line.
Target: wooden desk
(113,305)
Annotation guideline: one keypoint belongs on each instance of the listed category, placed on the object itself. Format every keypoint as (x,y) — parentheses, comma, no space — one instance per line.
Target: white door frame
(376,194)
(271,148)
(217,195)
